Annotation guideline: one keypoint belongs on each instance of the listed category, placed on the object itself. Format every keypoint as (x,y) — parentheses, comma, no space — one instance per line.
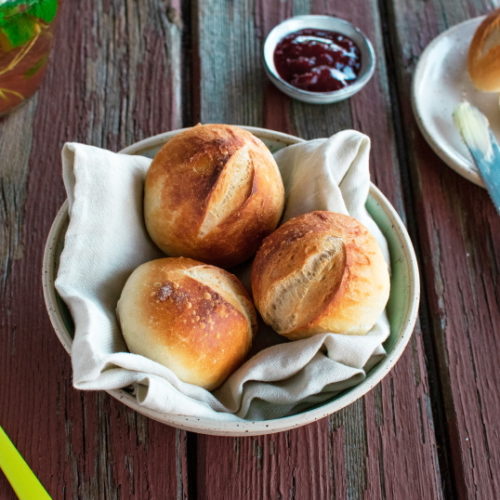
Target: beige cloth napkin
(106,240)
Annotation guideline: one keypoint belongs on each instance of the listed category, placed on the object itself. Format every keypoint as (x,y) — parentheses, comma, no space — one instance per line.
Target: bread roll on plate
(483,60)
(194,318)
(320,272)
(212,193)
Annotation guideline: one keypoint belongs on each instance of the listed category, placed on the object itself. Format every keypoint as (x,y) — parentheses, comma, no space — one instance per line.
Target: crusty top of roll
(483,60)
(212,193)
(320,272)
(194,318)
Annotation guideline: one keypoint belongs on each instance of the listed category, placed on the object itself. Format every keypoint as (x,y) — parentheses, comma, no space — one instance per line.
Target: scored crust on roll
(194,318)
(213,192)
(483,60)
(320,272)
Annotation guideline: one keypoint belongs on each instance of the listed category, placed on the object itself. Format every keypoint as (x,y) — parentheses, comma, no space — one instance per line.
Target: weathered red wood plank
(460,240)
(364,449)
(114,78)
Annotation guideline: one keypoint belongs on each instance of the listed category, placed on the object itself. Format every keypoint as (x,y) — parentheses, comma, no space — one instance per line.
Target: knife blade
(482,145)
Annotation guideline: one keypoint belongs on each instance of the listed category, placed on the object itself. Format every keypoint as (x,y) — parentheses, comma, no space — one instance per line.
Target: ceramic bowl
(402,307)
(325,23)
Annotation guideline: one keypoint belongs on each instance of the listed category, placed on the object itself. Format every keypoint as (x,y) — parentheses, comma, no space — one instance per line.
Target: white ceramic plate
(440,83)
(402,307)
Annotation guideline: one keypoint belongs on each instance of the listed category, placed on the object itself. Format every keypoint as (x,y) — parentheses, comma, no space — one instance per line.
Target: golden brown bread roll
(320,272)
(483,60)
(194,318)
(212,193)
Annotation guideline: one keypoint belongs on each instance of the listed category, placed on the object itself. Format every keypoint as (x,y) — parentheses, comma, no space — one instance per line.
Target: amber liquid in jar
(25,42)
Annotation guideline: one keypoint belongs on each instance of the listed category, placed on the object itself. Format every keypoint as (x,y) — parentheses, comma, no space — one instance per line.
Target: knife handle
(20,476)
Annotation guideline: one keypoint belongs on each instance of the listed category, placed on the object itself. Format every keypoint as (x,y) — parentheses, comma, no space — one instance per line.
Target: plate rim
(247,427)
(461,168)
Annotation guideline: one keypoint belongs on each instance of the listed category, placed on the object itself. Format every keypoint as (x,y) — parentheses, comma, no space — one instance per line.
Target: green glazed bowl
(401,310)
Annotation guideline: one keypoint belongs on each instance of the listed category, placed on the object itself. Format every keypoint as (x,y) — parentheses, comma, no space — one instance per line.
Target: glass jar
(25,42)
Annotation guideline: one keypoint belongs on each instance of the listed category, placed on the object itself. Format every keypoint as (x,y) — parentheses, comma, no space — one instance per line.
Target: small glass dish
(329,23)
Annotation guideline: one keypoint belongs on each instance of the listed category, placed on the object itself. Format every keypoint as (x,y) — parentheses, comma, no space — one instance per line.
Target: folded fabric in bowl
(106,240)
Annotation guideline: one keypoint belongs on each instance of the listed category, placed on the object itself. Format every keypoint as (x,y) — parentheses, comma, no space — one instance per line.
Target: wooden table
(123,70)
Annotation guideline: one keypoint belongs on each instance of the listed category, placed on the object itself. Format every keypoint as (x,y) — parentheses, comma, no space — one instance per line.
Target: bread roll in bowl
(194,318)
(483,60)
(320,272)
(212,193)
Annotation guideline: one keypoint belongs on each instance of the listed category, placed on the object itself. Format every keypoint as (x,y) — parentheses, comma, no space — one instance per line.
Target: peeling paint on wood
(125,70)
(339,457)
(459,235)
(113,79)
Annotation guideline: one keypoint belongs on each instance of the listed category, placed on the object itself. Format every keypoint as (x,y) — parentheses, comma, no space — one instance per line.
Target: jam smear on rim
(317,60)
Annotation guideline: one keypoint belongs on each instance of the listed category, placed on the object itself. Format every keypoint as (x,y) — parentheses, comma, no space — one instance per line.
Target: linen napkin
(106,239)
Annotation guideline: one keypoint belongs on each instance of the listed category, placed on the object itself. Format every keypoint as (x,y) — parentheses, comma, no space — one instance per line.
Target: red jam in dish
(318,60)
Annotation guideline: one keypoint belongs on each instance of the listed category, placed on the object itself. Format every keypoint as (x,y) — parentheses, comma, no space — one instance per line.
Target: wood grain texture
(459,234)
(362,451)
(113,79)
(124,70)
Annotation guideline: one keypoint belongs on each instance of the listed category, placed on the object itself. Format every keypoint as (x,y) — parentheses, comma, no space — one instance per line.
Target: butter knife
(20,476)
(483,146)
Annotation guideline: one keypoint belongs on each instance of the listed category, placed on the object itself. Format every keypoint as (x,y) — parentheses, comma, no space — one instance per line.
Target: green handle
(20,476)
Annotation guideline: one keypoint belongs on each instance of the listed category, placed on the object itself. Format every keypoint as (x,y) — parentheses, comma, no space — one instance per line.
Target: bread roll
(212,193)
(483,60)
(194,318)
(320,272)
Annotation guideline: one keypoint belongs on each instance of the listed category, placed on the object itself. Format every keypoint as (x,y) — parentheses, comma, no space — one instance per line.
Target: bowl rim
(248,427)
(366,49)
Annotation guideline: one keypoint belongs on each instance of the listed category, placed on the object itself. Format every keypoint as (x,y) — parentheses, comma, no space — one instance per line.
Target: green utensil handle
(20,476)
